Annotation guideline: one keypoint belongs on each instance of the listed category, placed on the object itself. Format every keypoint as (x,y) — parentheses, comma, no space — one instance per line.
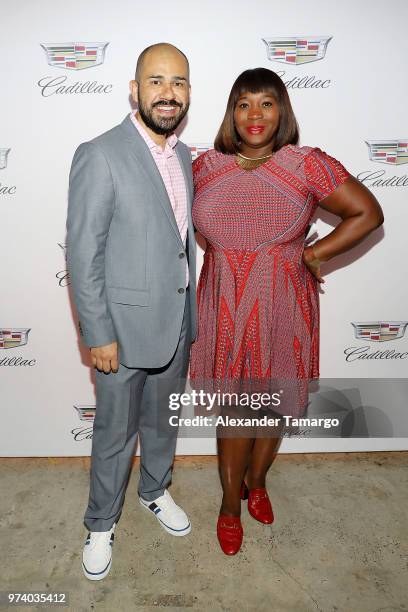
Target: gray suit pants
(129,402)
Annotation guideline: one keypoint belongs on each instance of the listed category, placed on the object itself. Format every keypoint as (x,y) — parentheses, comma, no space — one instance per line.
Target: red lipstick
(255,129)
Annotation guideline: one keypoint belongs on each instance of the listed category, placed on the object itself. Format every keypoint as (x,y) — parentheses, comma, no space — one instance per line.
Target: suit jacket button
(181,290)
(181,255)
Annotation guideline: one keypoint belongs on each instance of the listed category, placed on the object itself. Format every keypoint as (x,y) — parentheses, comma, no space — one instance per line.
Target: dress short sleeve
(323,173)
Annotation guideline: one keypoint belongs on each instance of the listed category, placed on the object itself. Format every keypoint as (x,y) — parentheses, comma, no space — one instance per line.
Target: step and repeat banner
(65,74)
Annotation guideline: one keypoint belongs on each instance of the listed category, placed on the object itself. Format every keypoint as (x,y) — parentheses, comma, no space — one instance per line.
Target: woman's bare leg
(263,454)
(233,460)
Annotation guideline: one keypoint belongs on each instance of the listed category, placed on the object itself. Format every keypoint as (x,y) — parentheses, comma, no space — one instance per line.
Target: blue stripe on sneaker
(172,528)
(96,573)
(154,508)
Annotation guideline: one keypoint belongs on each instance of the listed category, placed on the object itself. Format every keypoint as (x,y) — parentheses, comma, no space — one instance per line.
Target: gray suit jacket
(125,255)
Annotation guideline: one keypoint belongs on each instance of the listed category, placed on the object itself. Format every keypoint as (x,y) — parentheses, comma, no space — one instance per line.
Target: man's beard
(162,125)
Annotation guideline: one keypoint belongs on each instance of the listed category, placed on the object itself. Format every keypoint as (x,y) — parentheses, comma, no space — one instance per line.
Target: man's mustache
(167,103)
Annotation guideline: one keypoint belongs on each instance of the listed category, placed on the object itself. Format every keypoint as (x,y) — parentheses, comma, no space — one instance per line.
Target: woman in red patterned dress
(255,194)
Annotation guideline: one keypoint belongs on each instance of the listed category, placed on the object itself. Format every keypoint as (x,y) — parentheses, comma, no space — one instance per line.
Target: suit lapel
(185,162)
(141,152)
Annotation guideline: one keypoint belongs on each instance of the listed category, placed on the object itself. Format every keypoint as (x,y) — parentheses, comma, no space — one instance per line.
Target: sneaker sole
(173,532)
(99,575)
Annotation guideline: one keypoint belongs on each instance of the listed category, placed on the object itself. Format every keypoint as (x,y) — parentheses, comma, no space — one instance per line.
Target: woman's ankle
(231,507)
(255,482)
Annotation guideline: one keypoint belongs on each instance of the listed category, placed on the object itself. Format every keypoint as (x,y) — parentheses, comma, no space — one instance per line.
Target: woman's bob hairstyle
(255,81)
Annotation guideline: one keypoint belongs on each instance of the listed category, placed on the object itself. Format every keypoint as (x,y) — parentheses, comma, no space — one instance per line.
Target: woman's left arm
(360,213)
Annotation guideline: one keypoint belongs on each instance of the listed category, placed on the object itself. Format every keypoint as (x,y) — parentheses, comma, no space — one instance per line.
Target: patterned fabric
(171,172)
(258,303)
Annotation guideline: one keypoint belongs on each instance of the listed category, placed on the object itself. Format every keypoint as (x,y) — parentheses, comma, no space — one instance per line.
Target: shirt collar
(171,140)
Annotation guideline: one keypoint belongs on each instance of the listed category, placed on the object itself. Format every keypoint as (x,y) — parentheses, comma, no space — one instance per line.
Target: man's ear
(134,86)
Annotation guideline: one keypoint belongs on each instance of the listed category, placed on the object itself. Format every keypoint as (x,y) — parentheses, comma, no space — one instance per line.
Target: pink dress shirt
(168,164)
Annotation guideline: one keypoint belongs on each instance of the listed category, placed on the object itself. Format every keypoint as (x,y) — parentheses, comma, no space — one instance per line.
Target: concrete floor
(338,544)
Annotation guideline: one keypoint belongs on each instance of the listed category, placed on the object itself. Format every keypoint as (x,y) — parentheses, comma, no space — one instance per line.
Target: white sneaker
(170,516)
(97,554)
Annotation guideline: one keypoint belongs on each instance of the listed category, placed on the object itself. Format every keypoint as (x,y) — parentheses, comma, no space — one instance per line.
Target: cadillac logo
(3,158)
(13,337)
(296,50)
(388,151)
(85,412)
(379,331)
(75,56)
(198,149)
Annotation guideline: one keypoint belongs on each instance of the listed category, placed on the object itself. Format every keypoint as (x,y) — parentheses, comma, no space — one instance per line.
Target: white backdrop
(356,92)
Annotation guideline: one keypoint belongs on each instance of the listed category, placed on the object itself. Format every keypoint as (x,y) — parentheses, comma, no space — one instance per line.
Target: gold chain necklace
(249,163)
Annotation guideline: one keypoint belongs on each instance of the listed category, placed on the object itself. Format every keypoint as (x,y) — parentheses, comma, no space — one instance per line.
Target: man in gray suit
(131,257)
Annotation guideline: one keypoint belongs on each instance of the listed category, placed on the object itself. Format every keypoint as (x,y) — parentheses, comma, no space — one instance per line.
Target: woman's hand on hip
(312,263)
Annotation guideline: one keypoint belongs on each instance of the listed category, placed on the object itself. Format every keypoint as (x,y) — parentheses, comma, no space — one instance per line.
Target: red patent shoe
(259,506)
(229,533)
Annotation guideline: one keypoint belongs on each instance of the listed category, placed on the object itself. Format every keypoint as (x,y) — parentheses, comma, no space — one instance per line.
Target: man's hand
(105,358)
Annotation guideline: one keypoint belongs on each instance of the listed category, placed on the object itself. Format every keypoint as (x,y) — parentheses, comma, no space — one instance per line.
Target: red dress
(258,306)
